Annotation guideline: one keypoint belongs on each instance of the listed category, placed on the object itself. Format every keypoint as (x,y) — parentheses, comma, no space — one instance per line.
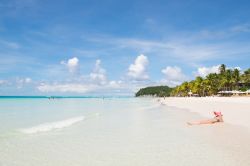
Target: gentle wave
(51,126)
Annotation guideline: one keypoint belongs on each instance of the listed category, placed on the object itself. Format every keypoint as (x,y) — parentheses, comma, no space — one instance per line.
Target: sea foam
(52,125)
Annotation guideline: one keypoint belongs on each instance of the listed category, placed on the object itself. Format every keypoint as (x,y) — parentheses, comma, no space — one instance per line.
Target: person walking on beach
(218,118)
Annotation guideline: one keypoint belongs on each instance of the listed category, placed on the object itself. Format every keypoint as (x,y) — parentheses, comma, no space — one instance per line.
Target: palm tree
(206,87)
(191,86)
(178,91)
(236,77)
(227,79)
(184,89)
(213,82)
(222,69)
(198,86)
(246,76)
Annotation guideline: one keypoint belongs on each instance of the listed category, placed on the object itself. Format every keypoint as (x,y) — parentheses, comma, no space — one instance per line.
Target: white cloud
(173,76)
(138,70)
(237,67)
(173,73)
(115,84)
(10,44)
(23,80)
(72,64)
(184,49)
(72,87)
(2,82)
(99,74)
(82,87)
(241,28)
(20,82)
(204,71)
(119,87)
(190,47)
(27,80)
(95,82)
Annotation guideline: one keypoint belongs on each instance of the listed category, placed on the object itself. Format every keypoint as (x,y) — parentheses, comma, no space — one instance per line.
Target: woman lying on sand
(217,118)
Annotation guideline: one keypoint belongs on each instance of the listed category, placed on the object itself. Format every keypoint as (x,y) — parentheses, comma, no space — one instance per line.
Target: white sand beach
(236,110)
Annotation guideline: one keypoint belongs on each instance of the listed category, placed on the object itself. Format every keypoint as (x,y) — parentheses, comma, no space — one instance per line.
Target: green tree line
(226,79)
(159,91)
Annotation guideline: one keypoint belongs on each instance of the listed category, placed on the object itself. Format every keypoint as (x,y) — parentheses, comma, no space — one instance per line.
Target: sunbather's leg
(208,121)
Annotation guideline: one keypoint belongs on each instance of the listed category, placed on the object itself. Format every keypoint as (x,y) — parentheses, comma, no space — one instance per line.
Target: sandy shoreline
(236,110)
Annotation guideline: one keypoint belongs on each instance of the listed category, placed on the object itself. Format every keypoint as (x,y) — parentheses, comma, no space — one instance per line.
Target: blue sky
(109,47)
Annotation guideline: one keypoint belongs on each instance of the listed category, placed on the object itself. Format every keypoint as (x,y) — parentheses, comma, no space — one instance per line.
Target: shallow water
(111,132)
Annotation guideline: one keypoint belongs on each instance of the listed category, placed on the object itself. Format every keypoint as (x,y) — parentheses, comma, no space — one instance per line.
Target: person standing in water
(218,118)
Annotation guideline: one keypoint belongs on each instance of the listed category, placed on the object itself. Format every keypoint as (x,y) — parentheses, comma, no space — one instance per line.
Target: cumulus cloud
(99,73)
(72,64)
(81,88)
(2,82)
(20,82)
(94,82)
(239,68)
(115,84)
(16,82)
(23,80)
(97,81)
(173,76)
(27,80)
(119,87)
(204,71)
(137,70)
(70,87)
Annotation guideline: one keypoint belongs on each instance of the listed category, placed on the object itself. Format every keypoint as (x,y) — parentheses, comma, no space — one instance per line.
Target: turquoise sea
(112,131)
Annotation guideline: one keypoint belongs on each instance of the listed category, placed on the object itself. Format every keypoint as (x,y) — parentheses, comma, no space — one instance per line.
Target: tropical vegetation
(159,91)
(225,80)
